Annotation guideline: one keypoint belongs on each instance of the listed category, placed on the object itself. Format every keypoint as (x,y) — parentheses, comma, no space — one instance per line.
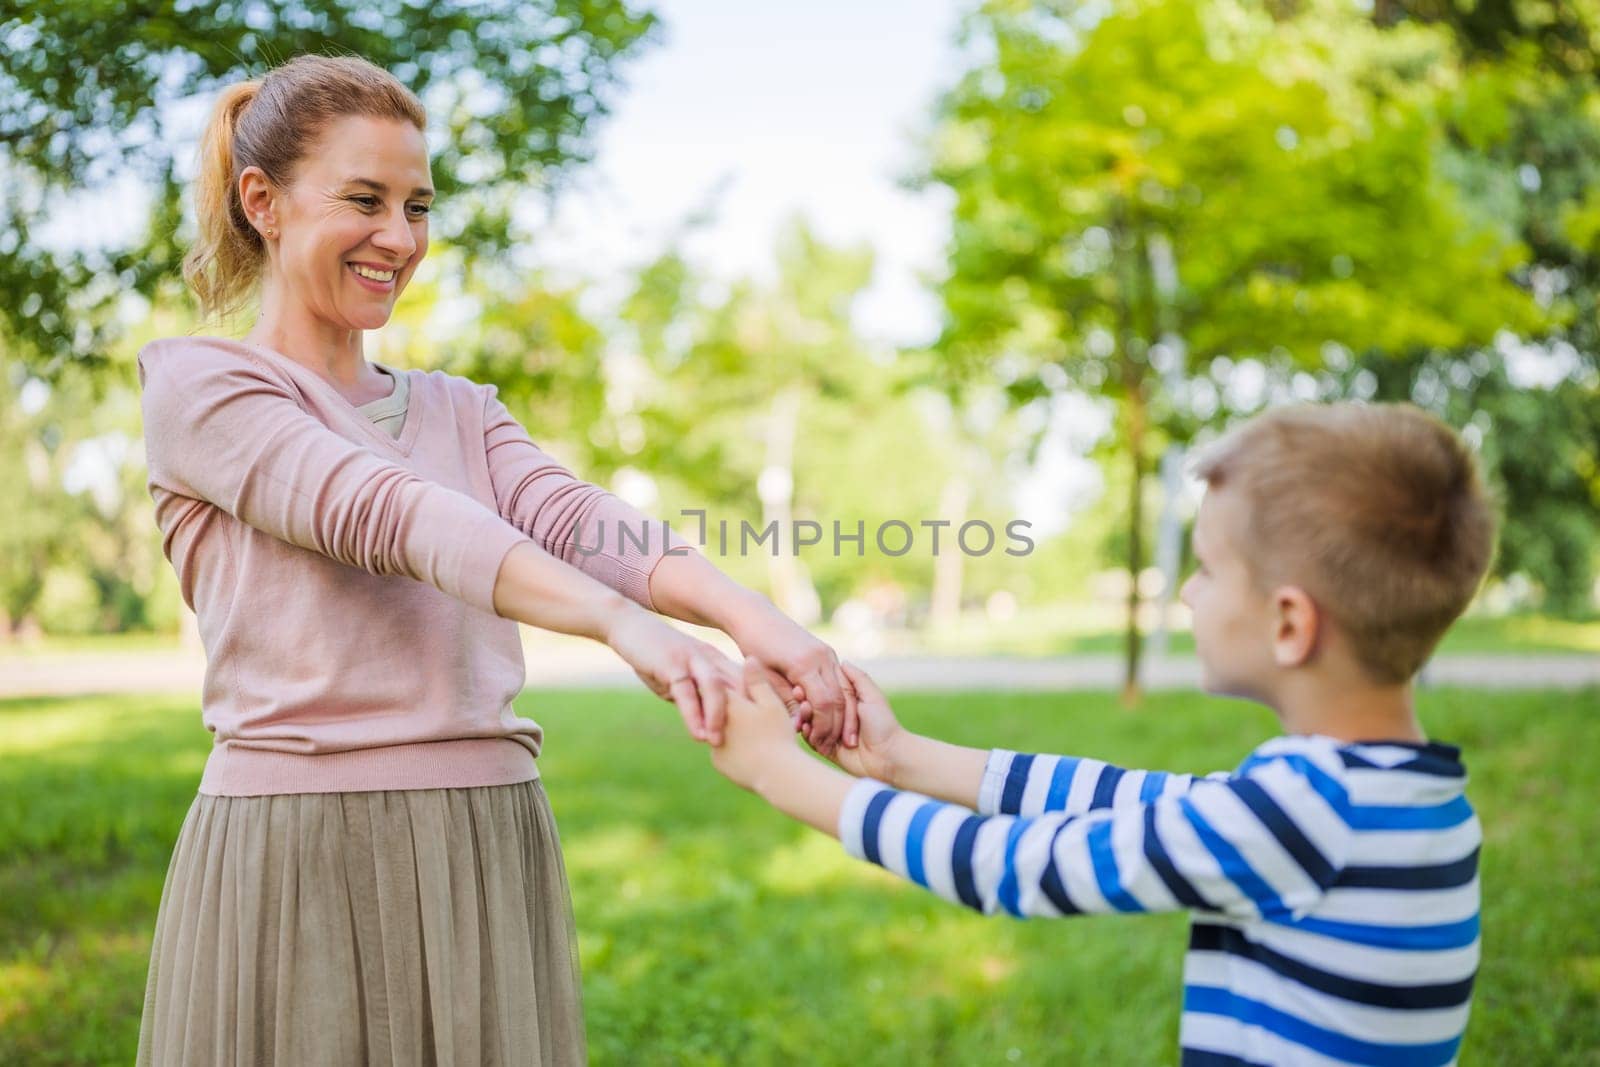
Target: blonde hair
(272,123)
(1377,510)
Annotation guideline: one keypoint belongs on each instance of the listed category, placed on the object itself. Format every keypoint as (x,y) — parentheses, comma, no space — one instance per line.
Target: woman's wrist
(612,613)
(744,611)
(690,588)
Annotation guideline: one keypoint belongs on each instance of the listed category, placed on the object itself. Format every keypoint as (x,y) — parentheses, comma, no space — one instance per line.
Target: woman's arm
(222,429)
(535,588)
(626,550)
(691,588)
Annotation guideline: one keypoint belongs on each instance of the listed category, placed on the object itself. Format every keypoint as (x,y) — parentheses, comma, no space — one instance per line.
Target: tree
(1564,35)
(758,357)
(1523,140)
(1540,447)
(1149,185)
(86,90)
(758,402)
(76,551)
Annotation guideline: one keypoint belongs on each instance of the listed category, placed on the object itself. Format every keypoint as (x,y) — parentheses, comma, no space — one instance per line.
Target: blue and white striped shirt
(1334,886)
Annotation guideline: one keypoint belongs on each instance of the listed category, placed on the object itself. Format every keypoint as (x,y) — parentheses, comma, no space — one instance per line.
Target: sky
(760,112)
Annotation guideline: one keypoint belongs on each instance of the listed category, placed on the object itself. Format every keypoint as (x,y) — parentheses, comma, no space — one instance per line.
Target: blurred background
(953,265)
(839,263)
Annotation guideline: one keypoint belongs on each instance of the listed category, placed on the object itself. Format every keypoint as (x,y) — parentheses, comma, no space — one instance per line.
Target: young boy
(1333,875)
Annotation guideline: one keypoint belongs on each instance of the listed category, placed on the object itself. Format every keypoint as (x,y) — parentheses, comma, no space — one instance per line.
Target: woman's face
(353,224)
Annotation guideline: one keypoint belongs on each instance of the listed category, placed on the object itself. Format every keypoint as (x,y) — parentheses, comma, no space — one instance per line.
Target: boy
(1333,875)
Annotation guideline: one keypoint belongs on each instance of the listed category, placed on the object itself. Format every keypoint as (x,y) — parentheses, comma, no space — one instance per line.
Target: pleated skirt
(410,927)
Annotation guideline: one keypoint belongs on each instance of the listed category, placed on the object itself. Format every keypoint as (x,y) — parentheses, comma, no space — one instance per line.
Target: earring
(272,233)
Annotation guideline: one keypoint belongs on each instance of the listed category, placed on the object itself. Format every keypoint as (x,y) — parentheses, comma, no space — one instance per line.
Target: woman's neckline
(408,430)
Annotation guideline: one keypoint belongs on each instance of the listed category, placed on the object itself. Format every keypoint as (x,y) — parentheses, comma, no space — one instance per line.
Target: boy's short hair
(1378,511)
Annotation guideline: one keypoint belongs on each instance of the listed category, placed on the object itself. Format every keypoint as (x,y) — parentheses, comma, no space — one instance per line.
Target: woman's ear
(1297,625)
(259,198)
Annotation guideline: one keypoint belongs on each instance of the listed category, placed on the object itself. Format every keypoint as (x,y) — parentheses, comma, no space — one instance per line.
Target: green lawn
(1064,629)
(713,931)
(1044,630)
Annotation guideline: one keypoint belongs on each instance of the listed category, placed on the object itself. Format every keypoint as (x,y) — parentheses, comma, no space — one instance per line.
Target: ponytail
(225,261)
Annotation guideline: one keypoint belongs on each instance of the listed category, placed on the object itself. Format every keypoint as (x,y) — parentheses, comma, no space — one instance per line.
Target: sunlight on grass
(1555,633)
(20,982)
(813,862)
(713,931)
(1584,971)
(50,728)
(618,848)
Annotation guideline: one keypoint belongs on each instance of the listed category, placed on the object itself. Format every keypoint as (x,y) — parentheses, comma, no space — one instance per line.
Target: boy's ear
(1297,626)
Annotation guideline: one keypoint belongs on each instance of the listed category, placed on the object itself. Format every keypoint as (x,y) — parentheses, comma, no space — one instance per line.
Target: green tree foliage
(1564,35)
(86,89)
(534,343)
(787,416)
(1143,178)
(1523,141)
(76,546)
(1540,448)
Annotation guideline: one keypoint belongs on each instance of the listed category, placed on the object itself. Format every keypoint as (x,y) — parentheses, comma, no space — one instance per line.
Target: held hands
(806,675)
(710,690)
(688,672)
(760,739)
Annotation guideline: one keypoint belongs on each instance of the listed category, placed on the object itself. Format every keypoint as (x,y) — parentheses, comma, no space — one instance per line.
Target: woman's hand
(679,668)
(805,673)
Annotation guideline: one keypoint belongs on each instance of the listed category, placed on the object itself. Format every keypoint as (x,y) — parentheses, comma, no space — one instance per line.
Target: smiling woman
(370,872)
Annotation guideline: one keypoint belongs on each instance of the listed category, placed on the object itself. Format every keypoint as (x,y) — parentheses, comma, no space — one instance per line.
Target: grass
(1073,628)
(712,931)
(126,644)
(1045,630)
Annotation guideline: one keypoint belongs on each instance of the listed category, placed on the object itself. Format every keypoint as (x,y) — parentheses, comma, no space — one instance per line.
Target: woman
(370,872)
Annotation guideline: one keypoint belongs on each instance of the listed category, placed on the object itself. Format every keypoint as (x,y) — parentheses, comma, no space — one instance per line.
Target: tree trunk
(948,564)
(1136,433)
(1136,293)
(792,590)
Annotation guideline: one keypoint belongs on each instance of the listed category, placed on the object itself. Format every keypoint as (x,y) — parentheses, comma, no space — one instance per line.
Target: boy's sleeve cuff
(853,814)
(993,785)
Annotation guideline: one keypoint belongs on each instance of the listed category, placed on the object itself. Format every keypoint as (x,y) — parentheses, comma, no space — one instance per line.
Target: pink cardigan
(343,580)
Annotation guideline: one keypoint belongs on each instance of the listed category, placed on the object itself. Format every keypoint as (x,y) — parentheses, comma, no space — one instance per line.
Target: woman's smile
(378,280)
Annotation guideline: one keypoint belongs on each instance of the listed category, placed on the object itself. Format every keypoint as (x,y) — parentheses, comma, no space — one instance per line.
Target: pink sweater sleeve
(222,429)
(576,522)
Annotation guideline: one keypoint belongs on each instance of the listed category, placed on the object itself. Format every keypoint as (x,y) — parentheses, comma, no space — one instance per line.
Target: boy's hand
(880,731)
(759,734)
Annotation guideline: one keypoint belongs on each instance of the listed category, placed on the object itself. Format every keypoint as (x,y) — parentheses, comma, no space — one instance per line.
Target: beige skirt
(429,926)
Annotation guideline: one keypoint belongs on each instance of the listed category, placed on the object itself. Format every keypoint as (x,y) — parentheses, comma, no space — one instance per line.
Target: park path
(562,662)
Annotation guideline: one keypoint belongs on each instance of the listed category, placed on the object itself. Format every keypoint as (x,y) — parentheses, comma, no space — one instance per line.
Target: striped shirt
(1334,886)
